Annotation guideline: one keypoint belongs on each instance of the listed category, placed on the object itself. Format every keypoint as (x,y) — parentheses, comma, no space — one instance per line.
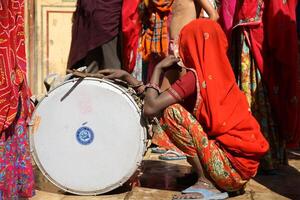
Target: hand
(114,74)
(214,16)
(167,62)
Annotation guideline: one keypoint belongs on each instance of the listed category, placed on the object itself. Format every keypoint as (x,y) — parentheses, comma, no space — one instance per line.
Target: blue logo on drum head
(85,135)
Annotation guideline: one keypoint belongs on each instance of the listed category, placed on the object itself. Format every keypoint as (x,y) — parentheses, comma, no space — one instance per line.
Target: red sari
(131,28)
(276,56)
(265,64)
(16,173)
(221,108)
(276,53)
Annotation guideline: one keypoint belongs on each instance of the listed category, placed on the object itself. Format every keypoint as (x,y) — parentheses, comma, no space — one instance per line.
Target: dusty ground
(159,182)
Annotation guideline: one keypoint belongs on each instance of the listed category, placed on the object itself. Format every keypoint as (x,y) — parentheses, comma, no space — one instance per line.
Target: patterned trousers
(187,134)
(16,172)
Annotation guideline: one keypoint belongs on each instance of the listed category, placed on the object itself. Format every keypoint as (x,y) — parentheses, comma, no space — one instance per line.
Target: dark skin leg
(202,174)
(202,183)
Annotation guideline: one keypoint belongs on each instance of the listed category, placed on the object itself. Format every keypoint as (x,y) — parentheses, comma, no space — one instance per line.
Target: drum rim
(109,188)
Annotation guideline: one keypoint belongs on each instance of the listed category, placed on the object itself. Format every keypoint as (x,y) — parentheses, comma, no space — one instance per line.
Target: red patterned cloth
(16,177)
(12,62)
(186,132)
(221,108)
(16,172)
(162,140)
(184,91)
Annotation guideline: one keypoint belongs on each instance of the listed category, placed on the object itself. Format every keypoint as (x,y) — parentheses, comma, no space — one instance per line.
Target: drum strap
(81,76)
(72,88)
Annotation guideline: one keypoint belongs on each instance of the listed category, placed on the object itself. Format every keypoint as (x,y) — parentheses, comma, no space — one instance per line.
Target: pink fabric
(16,172)
(227,11)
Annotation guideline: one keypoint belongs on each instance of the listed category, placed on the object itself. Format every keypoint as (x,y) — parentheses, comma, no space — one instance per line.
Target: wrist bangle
(153,86)
(137,85)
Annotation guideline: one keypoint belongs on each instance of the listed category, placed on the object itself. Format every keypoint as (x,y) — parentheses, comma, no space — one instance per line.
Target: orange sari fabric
(221,108)
(155,40)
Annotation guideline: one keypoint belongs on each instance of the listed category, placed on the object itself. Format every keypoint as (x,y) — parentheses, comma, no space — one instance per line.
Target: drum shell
(112,129)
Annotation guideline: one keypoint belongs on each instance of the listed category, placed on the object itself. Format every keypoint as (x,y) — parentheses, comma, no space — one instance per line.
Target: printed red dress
(16,174)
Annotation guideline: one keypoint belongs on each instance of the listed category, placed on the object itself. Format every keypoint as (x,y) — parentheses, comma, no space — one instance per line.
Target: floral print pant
(188,135)
(16,173)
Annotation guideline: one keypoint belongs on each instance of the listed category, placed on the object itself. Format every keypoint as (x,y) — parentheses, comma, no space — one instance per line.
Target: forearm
(131,80)
(151,93)
(124,76)
(137,85)
(155,101)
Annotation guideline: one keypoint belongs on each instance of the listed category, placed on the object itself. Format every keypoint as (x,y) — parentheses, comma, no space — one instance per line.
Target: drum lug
(68,190)
(45,174)
(31,123)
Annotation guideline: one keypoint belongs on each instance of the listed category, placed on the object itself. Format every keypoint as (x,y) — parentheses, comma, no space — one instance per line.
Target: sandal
(159,150)
(206,194)
(172,155)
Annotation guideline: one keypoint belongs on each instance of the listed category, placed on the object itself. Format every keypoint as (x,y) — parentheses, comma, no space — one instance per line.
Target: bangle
(153,86)
(137,85)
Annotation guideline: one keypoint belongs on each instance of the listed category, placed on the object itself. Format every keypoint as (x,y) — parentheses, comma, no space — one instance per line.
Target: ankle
(204,181)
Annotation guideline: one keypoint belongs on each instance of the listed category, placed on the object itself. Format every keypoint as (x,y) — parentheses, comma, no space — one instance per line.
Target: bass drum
(90,142)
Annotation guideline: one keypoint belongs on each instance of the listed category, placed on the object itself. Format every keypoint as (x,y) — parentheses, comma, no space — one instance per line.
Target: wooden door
(49,35)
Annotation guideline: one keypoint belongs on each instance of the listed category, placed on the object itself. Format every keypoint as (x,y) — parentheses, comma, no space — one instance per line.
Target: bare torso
(183,11)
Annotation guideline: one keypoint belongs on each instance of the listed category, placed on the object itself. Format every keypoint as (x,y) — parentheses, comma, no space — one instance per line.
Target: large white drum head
(92,141)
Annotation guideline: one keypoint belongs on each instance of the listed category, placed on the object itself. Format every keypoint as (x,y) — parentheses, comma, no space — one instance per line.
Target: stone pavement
(158,182)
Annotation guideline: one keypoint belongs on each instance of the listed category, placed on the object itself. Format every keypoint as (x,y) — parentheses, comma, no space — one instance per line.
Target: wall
(48,28)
